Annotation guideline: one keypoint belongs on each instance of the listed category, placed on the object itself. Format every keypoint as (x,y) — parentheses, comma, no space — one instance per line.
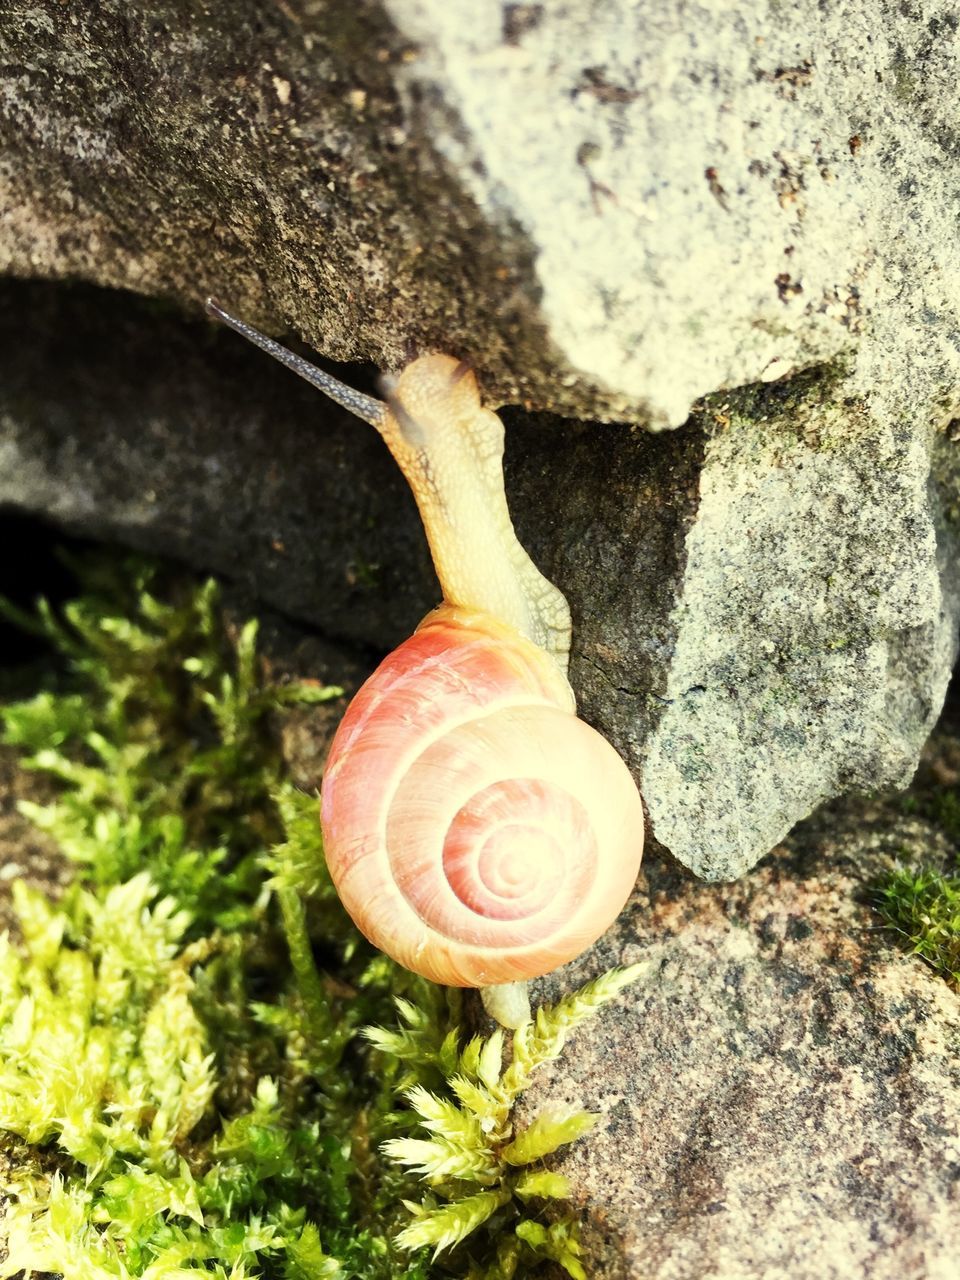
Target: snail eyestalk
(450,448)
(508,1003)
(356,402)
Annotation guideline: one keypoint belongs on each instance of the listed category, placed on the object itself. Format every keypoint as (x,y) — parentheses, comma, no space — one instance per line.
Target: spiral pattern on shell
(477,831)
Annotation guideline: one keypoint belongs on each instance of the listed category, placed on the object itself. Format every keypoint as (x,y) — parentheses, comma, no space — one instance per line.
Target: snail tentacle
(356,402)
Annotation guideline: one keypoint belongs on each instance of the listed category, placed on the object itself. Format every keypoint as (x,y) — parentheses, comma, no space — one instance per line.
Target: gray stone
(815,629)
(610,210)
(615,205)
(738,636)
(781,1091)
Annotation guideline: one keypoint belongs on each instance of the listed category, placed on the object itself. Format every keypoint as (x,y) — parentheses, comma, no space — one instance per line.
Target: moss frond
(165,757)
(471,1138)
(557,1242)
(545,1135)
(542,1039)
(542,1184)
(200,1130)
(923,906)
(446,1226)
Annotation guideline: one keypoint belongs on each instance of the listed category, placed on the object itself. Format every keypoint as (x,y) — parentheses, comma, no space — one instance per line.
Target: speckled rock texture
(781,1093)
(610,209)
(612,202)
(807,658)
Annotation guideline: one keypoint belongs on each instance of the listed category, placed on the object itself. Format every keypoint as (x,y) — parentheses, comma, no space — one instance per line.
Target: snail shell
(476,830)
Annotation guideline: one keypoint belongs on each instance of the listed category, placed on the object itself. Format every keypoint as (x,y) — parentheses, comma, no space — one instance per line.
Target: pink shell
(477,831)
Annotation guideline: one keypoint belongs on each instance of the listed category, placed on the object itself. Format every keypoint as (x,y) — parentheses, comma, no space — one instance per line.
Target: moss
(946,473)
(923,906)
(808,408)
(904,80)
(785,397)
(186,1090)
(920,898)
(480,1171)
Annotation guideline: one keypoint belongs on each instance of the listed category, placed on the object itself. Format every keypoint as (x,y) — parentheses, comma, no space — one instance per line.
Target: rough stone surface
(603,206)
(609,209)
(763,615)
(782,1092)
(815,627)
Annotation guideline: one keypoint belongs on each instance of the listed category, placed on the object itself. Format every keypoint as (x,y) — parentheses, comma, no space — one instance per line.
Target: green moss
(923,906)
(786,398)
(922,903)
(187,1091)
(946,473)
(482,1173)
(160,740)
(365,574)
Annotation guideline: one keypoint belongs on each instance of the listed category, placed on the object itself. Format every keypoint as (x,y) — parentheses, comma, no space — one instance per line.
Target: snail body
(476,829)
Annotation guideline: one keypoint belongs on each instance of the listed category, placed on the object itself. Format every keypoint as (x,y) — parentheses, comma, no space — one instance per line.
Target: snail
(476,829)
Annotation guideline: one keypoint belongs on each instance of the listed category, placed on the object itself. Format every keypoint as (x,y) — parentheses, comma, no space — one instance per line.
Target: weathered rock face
(610,203)
(815,627)
(782,1092)
(763,616)
(609,210)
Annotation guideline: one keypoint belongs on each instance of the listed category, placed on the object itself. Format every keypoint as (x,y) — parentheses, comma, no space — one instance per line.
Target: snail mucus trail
(476,830)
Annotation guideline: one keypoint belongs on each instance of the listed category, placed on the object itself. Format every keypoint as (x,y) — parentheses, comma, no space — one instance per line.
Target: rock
(781,1093)
(815,627)
(766,600)
(764,615)
(607,208)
